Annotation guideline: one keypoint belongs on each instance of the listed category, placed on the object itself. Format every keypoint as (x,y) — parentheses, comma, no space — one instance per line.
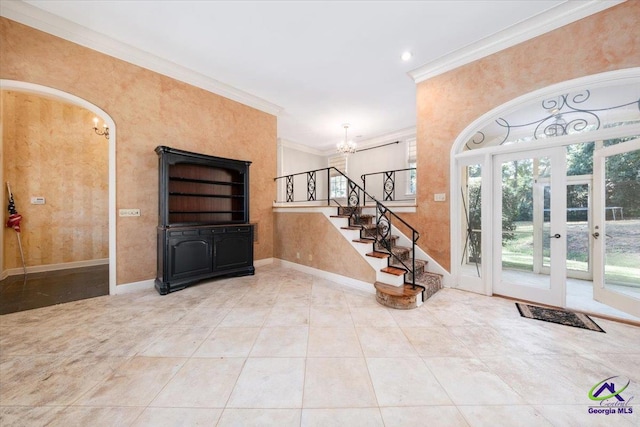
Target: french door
(578,229)
(529,217)
(616,231)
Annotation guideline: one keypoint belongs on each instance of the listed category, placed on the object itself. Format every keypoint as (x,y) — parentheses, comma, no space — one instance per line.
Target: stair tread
(419,262)
(431,273)
(394,270)
(400,249)
(404,290)
(364,240)
(351,227)
(376,254)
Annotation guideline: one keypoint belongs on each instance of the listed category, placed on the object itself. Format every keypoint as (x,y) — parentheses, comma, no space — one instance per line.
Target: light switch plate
(129,212)
(37,200)
(439,197)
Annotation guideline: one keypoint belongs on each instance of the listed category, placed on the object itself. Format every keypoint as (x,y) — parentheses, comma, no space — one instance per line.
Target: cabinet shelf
(203,181)
(203,212)
(219,196)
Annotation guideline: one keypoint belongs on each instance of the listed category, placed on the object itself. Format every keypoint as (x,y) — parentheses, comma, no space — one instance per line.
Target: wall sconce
(105,130)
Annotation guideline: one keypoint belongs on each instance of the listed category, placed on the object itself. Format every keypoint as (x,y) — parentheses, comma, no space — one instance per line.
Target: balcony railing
(316,186)
(391,186)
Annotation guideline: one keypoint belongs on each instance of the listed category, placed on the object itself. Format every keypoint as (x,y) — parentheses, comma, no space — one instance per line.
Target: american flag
(14,216)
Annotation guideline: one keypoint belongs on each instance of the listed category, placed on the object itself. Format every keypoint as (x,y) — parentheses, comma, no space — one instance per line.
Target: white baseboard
(127,288)
(343,280)
(54,267)
(263,262)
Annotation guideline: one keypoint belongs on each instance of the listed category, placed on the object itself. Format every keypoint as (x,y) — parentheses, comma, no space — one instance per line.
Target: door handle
(556,236)
(596,235)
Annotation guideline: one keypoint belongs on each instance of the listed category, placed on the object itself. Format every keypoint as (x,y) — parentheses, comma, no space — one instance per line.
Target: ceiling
(316,64)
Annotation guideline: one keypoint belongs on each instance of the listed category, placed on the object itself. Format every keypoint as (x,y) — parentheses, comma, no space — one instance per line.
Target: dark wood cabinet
(203,221)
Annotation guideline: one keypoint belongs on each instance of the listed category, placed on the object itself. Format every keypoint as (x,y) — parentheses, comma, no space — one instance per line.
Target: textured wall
(149,110)
(448,103)
(51,151)
(313,234)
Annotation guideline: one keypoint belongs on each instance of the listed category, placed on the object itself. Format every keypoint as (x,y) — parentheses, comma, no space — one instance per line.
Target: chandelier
(346,146)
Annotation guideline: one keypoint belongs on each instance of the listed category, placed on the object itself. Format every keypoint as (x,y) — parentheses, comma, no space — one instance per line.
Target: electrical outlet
(310,257)
(129,212)
(439,197)
(298,255)
(37,200)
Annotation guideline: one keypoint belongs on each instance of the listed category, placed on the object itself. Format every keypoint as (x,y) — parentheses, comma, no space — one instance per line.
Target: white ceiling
(317,64)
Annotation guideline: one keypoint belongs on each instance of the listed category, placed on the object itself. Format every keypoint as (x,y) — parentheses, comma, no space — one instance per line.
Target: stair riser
(378,246)
(347,211)
(409,276)
(390,279)
(399,302)
(361,220)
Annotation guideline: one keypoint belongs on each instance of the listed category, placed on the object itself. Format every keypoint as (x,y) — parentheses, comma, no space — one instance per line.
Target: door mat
(554,315)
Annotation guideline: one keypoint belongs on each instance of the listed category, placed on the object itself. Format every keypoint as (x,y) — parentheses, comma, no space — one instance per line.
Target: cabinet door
(189,256)
(233,248)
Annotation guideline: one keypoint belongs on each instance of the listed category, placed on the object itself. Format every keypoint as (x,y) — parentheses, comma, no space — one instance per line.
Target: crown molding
(299,147)
(544,22)
(29,15)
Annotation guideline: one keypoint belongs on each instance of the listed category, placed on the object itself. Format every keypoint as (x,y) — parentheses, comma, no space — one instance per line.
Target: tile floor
(285,348)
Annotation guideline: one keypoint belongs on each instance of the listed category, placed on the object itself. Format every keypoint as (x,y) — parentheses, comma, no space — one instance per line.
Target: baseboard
(127,288)
(54,267)
(263,262)
(343,280)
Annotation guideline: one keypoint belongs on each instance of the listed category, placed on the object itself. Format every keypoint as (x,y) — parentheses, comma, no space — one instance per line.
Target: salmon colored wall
(313,234)
(50,152)
(149,109)
(448,103)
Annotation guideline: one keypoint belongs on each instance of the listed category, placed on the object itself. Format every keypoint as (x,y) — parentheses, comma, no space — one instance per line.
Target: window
(411,162)
(337,181)
(338,187)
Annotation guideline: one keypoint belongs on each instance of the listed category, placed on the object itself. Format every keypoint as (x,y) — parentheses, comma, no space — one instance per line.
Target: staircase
(402,282)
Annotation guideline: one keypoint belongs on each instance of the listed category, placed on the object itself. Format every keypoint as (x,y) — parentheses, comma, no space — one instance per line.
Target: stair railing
(354,195)
(388,181)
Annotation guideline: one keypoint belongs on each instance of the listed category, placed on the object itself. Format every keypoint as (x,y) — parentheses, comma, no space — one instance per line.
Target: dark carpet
(555,315)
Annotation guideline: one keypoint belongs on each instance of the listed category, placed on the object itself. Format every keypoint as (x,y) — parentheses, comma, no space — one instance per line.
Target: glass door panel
(471,204)
(546,228)
(578,251)
(616,230)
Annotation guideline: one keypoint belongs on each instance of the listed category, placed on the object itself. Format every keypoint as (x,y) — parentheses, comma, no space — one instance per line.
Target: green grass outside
(623,250)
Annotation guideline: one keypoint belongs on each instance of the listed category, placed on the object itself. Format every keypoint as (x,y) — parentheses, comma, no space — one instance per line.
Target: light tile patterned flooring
(284,348)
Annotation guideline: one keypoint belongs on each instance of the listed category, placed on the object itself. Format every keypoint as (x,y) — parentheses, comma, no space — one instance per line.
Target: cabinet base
(164,288)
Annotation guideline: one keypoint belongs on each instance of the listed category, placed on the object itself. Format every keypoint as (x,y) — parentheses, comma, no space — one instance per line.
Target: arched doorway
(529,202)
(47,92)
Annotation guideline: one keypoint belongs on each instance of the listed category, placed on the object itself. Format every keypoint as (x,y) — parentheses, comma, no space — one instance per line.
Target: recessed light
(406,55)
